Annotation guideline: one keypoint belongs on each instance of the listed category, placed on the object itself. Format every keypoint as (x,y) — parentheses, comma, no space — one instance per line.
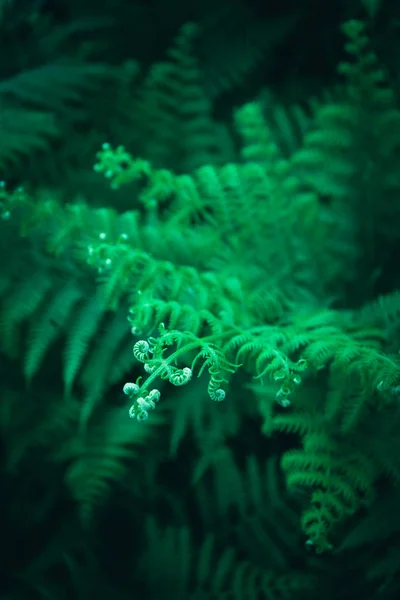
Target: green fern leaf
(52,321)
(84,326)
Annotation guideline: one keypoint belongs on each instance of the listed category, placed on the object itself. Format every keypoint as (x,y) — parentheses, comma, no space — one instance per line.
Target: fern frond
(232,43)
(52,321)
(82,329)
(95,375)
(350,155)
(23,133)
(339,478)
(99,456)
(54,86)
(384,311)
(251,506)
(23,301)
(174,126)
(208,571)
(39,424)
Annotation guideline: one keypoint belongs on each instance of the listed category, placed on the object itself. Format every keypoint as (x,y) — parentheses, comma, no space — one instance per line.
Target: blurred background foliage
(198,509)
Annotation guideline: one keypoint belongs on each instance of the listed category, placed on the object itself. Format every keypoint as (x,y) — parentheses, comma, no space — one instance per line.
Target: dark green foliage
(212,370)
(46,93)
